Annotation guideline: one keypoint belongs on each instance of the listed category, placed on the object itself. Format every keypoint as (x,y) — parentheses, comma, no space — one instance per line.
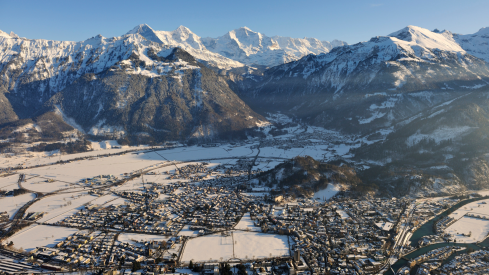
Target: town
(203,210)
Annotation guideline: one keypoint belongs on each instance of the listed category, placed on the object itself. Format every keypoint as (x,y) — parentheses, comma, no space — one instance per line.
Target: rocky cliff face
(173,98)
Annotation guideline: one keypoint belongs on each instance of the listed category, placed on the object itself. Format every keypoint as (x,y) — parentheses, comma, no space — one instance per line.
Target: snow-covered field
(247,245)
(58,207)
(478,227)
(11,204)
(246,223)
(40,235)
(480,207)
(72,172)
(327,193)
(38,158)
(9,183)
(187,232)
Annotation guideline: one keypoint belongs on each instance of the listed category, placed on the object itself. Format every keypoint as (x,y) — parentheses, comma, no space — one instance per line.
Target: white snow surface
(477,44)
(40,235)
(246,223)
(416,36)
(478,227)
(440,134)
(247,245)
(9,183)
(254,48)
(327,193)
(106,144)
(12,204)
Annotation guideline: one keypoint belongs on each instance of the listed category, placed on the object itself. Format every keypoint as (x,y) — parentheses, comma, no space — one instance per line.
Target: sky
(351,21)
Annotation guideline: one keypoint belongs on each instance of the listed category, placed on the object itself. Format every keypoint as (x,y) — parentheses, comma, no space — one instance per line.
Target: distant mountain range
(238,47)
(356,88)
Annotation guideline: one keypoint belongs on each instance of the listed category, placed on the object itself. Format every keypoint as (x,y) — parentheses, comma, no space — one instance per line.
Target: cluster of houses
(438,254)
(469,263)
(139,218)
(431,239)
(94,249)
(208,208)
(340,237)
(98,180)
(4,216)
(443,223)
(430,208)
(192,172)
(82,249)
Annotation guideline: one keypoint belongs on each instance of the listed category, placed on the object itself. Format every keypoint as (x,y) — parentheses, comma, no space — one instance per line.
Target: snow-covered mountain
(300,47)
(150,94)
(254,48)
(149,81)
(238,47)
(476,44)
(372,84)
(184,38)
(11,35)
(33,70)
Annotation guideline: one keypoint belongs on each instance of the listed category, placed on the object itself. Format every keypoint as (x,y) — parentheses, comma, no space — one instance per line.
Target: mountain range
(40,76)
(419,97)
(373,84)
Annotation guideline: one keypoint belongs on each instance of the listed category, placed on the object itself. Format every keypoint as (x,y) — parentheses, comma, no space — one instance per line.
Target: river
(428,229)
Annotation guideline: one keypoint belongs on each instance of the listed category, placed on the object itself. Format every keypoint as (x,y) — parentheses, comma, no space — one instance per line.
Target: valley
(163,152)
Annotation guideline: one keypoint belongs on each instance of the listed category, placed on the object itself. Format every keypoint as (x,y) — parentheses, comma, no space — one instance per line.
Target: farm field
(477,228)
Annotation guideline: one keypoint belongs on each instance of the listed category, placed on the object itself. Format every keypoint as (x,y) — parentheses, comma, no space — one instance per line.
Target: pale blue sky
(351,21)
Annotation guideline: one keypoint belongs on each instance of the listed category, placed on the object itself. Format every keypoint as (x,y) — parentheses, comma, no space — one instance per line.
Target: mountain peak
(13,35)
(425,38)
(183,29)
(141,28)
(4,34)
(406,32)
(483,31)
(145,31)
(245,30)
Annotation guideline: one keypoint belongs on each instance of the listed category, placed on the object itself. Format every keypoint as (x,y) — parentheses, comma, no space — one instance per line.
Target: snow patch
(439,134)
